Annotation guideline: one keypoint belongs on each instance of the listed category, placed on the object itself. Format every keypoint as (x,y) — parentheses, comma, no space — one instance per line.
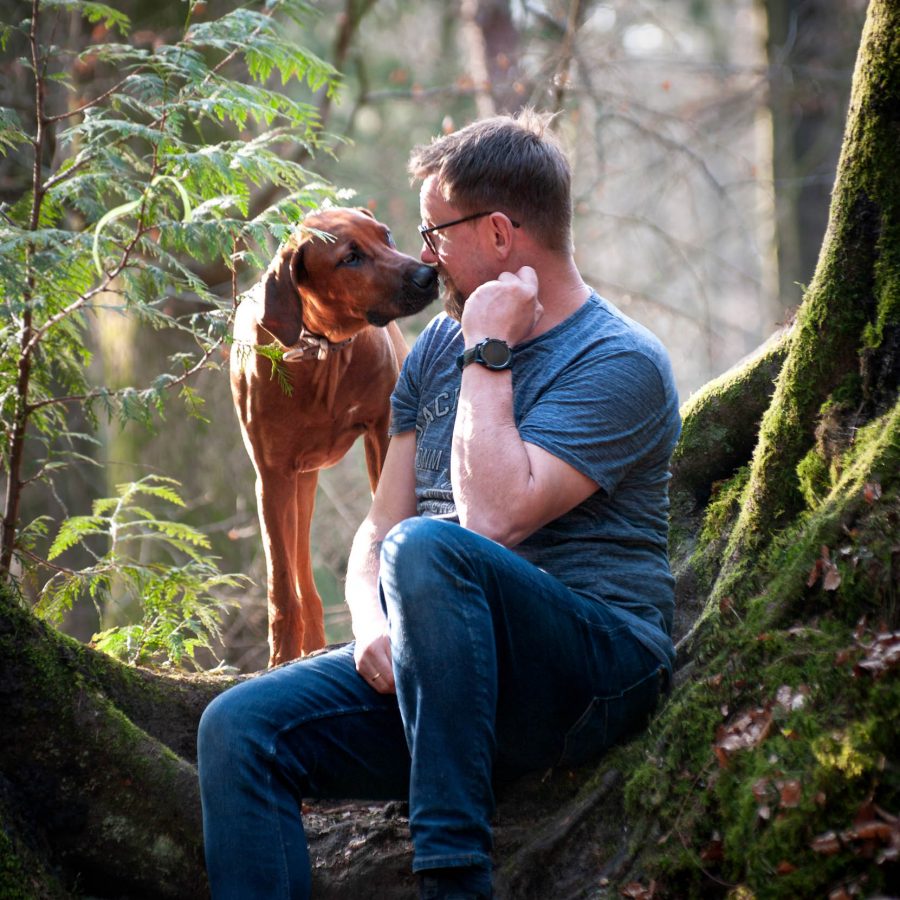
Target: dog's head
(336,286)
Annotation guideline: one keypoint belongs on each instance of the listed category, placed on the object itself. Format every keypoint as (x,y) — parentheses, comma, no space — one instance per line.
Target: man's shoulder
(440,330)
(437,344)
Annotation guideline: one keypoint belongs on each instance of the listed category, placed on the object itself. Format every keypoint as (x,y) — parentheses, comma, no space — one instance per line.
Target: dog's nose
(424,277)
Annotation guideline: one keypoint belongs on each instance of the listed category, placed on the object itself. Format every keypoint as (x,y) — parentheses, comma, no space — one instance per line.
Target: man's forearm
(490,469)
(361,588)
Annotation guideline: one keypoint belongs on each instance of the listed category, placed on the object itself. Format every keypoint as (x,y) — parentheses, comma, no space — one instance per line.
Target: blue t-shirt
(596,391)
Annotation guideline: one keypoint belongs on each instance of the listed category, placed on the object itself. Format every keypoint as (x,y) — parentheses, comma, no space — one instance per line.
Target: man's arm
(394,501)
(504,488)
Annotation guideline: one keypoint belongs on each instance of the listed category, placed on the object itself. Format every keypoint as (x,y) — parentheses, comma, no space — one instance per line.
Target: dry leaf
(871,491)
(713,851)
(825,569)
(881,655)
(748,730)
(760,789)
(827,844)
(789,793)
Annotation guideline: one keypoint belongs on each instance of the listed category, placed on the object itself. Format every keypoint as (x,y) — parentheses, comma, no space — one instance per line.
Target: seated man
(510,589)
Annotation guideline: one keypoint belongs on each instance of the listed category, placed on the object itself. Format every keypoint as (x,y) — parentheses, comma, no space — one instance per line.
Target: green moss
(784,643)
(24,875)
(724,506)
(814,478)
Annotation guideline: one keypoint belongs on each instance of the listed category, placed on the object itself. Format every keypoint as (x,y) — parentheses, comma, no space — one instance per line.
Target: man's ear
(501,234)
(282,315)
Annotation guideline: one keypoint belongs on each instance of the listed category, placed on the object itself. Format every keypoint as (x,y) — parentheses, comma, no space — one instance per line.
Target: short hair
(512,164)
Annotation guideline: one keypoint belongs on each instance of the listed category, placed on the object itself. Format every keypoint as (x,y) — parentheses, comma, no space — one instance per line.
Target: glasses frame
(427,231)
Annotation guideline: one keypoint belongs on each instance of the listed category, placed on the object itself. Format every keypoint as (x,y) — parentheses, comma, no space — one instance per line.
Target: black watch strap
(492,353)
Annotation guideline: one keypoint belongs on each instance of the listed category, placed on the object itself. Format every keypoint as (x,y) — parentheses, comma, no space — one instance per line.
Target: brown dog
(320,301)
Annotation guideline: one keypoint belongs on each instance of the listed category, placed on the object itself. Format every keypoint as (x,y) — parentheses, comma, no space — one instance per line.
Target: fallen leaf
(748,730)
(789,793)
(713,851)
(827,844)
(843,656)
(871,491)
(881,655)
(832,579)
(790,699)
(825,569)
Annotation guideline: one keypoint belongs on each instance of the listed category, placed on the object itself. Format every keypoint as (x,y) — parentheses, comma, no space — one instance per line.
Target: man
(510,591)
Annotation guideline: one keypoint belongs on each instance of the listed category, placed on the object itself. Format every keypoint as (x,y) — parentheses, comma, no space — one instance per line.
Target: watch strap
(476,354)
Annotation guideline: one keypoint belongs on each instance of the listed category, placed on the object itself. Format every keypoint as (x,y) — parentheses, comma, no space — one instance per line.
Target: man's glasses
(427,233)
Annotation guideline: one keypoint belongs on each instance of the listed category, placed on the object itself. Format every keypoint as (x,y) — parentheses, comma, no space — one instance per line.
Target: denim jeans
(500,670)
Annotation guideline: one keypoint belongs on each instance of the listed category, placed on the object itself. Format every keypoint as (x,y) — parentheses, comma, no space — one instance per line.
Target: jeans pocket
(608,720)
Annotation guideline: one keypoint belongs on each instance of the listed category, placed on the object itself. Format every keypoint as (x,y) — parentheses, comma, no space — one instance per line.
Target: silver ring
(375,677)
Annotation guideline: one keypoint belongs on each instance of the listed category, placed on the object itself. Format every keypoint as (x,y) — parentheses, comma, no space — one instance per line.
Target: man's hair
(511,164)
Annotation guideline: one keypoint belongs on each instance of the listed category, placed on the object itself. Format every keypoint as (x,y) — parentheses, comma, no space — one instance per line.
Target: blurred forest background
(704,138)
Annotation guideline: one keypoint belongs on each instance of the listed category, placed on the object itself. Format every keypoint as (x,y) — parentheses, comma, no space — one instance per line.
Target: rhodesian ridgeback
(329,304)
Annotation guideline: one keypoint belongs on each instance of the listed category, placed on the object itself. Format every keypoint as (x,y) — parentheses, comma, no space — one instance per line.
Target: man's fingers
(528,275)
(374,664)
(383,682)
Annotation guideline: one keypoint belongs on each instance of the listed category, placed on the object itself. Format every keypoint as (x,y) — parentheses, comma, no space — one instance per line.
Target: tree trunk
(784,524)
(809,46)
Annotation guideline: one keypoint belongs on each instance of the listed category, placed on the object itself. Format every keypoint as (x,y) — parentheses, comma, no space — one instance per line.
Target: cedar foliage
(128,191)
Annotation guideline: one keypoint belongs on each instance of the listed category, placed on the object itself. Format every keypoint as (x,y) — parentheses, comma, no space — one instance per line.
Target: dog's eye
(390,240)
(352,258)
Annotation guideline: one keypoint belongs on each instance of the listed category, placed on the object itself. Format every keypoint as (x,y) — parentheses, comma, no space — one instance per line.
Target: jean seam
(654,673)
(450,860)
(283,874)
(479,656)
(272,750)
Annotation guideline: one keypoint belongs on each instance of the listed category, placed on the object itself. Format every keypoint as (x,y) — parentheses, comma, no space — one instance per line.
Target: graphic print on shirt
(433,454)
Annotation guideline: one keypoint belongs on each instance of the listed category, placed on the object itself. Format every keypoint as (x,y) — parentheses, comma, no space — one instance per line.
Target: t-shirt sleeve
(600,416)
(405,397)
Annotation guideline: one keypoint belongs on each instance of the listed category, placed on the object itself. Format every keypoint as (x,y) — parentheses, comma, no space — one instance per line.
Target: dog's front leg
(311,611)
(279,519)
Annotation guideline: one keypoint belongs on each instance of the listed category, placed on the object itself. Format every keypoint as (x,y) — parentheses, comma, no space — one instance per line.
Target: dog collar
(312,346)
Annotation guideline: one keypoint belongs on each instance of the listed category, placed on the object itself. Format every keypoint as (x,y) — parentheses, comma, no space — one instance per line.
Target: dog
(328,301)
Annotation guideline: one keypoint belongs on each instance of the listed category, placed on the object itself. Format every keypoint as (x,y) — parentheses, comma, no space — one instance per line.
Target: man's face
(459,255)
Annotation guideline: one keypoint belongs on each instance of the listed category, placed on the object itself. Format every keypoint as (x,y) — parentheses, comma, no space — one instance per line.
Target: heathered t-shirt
(596,391)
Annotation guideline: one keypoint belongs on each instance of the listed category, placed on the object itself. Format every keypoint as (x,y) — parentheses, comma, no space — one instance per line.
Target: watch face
(496,353)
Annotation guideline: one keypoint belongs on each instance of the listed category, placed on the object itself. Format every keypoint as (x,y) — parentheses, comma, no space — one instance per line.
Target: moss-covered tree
(771,771)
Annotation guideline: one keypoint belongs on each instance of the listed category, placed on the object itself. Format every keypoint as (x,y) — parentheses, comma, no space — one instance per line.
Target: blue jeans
(500,670)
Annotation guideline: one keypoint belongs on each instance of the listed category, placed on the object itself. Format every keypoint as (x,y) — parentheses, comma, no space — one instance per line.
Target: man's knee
(417,548)
(217,725)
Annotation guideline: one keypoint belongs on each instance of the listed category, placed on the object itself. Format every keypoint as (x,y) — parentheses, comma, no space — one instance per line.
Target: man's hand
(506,308)
(373,662)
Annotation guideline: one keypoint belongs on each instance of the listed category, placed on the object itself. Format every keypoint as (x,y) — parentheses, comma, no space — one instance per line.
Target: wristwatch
(491,353)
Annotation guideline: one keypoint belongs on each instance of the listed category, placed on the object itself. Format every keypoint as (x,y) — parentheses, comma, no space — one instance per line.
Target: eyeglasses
(427,232)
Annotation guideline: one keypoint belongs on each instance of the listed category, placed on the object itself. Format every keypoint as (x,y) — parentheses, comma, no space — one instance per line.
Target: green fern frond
(74,530)
(94,12)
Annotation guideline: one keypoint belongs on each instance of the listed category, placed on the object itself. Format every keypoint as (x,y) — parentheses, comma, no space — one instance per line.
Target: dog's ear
(282,315)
